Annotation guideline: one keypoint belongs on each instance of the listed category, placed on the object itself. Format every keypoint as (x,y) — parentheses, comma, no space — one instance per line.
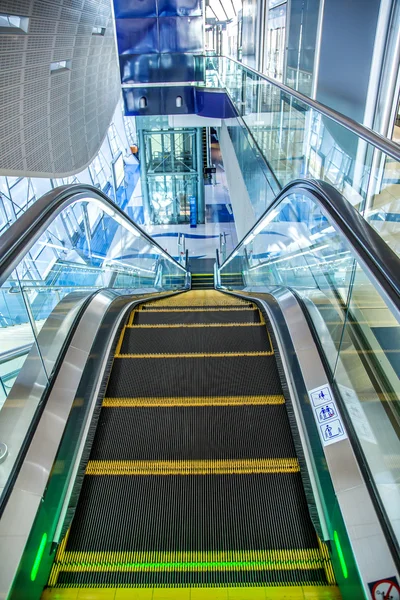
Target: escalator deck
(193,480)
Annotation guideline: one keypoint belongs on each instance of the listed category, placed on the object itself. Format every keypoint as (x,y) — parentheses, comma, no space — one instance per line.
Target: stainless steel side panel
(369,545)
(19,514)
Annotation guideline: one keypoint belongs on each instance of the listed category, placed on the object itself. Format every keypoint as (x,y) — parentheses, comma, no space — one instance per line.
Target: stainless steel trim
(370,548)
(20,511)
(370,136)
(23,233)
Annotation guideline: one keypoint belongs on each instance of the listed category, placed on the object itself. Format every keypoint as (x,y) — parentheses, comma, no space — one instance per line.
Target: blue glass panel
(213,104)
(169,96)
(137,36)
(139,68)
(134,8)
(181,34)
(182,67)
(153,68)
(132,101)
(180,8)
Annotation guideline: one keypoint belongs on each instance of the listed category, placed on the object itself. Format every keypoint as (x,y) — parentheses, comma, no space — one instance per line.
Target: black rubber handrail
(21,235)
(375,254)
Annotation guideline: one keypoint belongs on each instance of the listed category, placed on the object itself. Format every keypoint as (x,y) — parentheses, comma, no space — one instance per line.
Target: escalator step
(208,577)
(198,376)
(175,513)
(197,308)
(193,480)
(195,340)
(213,316)
(203,432)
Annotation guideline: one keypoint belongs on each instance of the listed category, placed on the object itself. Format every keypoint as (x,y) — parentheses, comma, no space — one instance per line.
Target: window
(13,24)
(98,30)
(60,66)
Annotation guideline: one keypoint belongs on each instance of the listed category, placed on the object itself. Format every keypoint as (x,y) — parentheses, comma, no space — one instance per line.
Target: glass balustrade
(58,273)
(294,245)
(297,141)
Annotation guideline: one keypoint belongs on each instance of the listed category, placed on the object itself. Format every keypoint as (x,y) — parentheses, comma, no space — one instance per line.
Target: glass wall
(171,168)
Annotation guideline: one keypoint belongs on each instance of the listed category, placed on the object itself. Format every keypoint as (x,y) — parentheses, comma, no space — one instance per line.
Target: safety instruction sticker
(385,589)
(326,414)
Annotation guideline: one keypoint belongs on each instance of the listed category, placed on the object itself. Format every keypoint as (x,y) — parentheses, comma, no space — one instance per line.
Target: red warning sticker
(385,589)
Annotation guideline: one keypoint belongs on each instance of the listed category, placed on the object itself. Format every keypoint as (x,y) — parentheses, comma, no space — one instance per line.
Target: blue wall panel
(162,101)
(181,8)
(213,104)
(137,36)
(168,28)
(153,68)
(181,34)
(135,9)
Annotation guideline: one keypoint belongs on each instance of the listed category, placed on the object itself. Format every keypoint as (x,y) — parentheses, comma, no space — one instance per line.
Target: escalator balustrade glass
(295,245)
(87,247)
(299,141)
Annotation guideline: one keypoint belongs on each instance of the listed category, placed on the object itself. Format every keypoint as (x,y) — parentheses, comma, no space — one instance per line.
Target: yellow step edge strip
(195,355)
(329,573)
(199,309)
(192,467)
(121,339)
(298,558)
(294,592)
(195,325)
(193,401)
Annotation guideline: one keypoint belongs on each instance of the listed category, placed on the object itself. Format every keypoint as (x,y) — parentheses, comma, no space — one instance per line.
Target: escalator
(175,449)
(193,478)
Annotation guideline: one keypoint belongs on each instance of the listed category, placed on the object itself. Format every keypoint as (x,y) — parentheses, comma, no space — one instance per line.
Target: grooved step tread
(211,317)
(198,298)
(192,513)
(194,432)
(195,377)
(193,485)
(196,340)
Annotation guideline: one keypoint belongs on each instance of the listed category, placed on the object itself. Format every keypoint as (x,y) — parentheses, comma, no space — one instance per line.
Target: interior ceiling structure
(223,10)
(59,84)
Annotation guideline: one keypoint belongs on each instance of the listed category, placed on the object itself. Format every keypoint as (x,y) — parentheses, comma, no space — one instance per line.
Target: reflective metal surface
(20,511)
(371,551)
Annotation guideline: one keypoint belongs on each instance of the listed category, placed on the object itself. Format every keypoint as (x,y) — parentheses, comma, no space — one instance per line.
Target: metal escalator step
(188,468)
(207,577)
(195,340)
(198,298)
(195,433)
(132,513)
(212,316)
(194,377)
(194,401)
(198,308)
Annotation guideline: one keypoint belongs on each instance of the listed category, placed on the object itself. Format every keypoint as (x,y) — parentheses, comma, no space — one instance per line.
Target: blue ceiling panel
(179,8)
(181,34)
(137,36)
(135,9)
